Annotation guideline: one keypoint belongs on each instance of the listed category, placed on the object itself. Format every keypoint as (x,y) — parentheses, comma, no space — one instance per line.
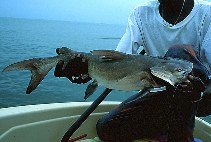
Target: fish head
(173,71)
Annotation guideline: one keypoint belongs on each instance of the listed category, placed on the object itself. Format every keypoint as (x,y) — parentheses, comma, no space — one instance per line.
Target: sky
(92,11)
(97,11)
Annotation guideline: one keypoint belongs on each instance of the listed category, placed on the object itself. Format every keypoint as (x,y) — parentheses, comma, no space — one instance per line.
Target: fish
(111,69)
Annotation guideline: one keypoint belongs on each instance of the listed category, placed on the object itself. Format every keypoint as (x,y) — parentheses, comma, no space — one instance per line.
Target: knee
(103,130)
(111,130)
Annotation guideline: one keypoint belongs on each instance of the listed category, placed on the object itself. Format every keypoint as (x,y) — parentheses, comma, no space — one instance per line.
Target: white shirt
(147,29)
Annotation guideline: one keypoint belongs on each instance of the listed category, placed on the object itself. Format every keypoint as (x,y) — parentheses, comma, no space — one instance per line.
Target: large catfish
(111,69)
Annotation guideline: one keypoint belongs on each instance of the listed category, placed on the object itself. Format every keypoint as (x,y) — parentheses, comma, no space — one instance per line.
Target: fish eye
(179,69)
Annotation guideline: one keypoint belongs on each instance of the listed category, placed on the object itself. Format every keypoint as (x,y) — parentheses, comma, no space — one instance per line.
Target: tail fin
(37,67)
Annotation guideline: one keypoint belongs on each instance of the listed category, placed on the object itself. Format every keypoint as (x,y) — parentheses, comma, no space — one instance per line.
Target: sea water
(22,39)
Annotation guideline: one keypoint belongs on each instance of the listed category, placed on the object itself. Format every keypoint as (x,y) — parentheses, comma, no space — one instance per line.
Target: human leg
(137,117)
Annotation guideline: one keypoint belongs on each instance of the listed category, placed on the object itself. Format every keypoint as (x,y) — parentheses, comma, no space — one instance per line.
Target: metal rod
(85,115)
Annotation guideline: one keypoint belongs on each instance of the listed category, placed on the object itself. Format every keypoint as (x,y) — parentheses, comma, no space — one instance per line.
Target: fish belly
(133,82)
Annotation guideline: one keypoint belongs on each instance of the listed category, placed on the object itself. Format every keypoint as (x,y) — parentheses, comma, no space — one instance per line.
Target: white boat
(49,122)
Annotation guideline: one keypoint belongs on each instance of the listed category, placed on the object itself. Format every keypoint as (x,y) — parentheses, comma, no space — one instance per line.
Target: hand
(76,69)
(195,85)
(204,106)
(191,90)
(207,91)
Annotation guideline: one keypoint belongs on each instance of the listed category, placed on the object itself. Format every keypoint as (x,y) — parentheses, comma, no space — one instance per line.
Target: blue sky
(99,11)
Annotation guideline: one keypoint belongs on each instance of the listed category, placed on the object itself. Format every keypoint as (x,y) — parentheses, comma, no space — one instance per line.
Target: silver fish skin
(111,69)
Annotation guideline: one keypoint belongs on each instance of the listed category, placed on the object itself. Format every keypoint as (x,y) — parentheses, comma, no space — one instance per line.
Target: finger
(73,57)
(78,55)
(58,70)
(83,60)
(64,66)
(198,83)
(60,64)
(190,77)
(58,51)
(194,80)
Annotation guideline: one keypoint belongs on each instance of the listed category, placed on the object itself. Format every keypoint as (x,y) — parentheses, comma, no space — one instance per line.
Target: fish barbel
(111,69)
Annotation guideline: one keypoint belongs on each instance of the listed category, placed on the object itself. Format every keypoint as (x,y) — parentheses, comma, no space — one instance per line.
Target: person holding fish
(170,28)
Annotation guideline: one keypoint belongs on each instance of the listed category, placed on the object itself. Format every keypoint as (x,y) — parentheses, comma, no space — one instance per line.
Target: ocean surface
(22,39)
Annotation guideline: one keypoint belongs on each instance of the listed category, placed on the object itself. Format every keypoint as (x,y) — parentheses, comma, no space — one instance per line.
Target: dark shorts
(159,115)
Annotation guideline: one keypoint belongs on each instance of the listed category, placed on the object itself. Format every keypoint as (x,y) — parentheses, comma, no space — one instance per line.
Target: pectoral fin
(90,89)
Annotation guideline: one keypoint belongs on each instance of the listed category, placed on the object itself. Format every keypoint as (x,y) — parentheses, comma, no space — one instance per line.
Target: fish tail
(39,68)
(23,65)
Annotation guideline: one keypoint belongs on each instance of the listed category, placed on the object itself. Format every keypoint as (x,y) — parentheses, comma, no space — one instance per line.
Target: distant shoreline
(110,38)
(84,22)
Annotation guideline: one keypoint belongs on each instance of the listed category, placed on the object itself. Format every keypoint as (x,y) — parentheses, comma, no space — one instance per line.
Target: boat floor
(49,122)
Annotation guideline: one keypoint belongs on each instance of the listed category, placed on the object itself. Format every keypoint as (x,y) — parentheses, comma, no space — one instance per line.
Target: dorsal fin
(109,54)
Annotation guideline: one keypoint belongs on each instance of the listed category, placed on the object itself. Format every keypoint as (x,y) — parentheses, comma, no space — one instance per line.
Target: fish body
(111,69)
(134,72)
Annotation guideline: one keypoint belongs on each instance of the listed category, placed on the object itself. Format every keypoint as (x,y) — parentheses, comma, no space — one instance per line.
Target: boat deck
(48,122)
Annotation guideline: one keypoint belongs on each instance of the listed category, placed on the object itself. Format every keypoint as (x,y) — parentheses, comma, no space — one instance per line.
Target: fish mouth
(186,82)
